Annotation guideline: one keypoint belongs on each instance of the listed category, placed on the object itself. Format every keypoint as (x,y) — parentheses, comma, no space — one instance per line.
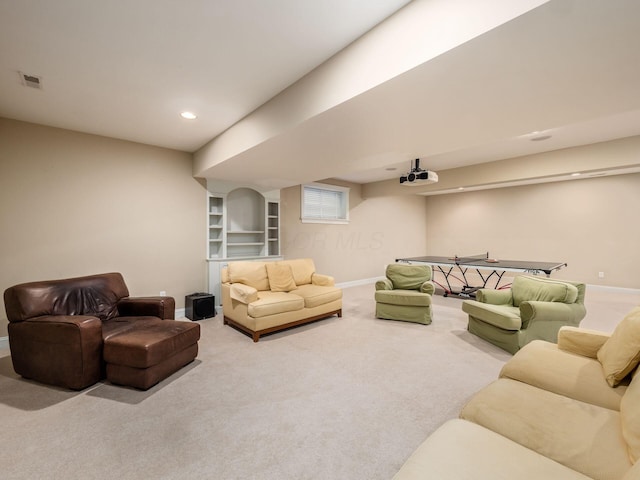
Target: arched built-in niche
(245,210)
(245,223)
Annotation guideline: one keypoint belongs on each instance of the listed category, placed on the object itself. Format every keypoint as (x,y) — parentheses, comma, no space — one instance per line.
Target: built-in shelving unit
(273,228)
(216,227)
(243,224)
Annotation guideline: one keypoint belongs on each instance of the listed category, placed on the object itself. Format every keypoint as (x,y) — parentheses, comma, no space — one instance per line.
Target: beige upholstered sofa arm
(322,280)
(243,293)
(384,284)
(581,341)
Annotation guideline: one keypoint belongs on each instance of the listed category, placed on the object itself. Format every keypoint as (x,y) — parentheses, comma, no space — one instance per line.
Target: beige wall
(73,204)
(380,229)
(592,224)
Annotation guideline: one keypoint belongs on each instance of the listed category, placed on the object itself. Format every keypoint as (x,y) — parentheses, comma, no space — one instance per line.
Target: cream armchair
(405,293)
(532,309)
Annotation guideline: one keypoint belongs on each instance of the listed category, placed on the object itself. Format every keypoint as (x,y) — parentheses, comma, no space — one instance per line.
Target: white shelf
(240,232)
(243,244)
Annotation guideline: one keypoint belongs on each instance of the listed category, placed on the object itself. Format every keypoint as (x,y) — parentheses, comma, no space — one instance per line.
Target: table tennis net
(471,258)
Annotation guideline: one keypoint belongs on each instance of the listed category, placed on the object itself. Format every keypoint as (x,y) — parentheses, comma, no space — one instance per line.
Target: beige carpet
(344,399)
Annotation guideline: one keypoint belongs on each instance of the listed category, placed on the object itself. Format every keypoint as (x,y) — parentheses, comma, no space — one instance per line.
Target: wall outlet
(600,274)
(163,293)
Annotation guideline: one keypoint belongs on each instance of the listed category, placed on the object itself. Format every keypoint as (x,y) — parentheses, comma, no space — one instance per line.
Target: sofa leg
(340,313)
(256,337)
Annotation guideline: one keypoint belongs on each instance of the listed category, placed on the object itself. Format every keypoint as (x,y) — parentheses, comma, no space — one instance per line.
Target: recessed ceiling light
(537,135)
(540,138)
(188,115)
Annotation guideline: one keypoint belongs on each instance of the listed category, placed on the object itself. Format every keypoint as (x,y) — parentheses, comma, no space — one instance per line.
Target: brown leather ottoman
(150,352)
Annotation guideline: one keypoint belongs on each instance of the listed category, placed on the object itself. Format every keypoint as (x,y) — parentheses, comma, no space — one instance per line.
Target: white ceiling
(126,69)
(569,68)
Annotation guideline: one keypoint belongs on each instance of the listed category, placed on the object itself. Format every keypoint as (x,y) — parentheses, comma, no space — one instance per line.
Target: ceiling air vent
(32,81)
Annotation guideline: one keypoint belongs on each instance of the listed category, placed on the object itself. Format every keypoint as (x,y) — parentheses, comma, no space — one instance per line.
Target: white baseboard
(355,283)
(607,288)
(180,312)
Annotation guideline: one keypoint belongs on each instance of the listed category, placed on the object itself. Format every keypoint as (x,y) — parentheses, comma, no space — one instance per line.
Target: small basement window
(323,203)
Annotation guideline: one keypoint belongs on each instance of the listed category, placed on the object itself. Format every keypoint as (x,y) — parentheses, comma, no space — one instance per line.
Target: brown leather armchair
(60,330)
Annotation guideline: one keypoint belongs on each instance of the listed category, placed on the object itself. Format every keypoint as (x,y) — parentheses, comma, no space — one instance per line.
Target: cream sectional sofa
(263,297)
(565,411)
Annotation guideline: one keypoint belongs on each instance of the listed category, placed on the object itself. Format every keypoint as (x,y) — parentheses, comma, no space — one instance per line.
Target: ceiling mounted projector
(418,176)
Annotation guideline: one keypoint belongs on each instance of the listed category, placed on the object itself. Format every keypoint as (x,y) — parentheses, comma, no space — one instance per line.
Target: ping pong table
(450,267)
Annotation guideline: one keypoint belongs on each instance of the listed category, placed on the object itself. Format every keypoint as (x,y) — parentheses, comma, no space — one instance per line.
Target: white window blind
(325,203)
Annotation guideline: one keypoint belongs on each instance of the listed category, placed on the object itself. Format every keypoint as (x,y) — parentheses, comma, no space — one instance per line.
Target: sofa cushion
(463,450)
(584,437)
(253,274)
(501,316)
(403,297)
(630,415)
(526,289)
(408,277)
(634,473)
(272,303)
(316,295)
(544,365)
(621,352)
(118,325)
(280,277)
(302,268)
(150,343)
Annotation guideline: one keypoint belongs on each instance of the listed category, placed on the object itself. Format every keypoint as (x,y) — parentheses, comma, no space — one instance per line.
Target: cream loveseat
(264,297)
(565,411)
